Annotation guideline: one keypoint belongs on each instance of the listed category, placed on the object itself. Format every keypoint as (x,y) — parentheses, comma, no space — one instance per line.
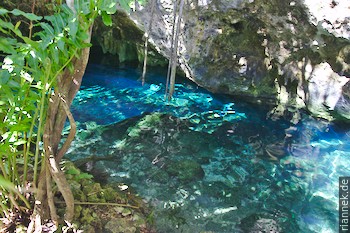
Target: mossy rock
(86,216)
(109,194)
(77,211)
(91,189)
(79,195)
(148,122)
(120,225)
(160,176)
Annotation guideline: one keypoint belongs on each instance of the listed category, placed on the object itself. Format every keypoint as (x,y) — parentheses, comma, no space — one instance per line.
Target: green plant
(39,77)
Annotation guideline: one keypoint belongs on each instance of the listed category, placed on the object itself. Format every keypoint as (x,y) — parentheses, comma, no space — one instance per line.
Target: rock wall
(294,54)
(124,40)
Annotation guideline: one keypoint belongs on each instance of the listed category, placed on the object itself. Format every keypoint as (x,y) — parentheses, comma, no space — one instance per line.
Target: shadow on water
(207,162)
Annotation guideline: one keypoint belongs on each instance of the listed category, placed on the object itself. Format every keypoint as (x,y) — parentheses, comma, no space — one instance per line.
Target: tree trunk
(58,111)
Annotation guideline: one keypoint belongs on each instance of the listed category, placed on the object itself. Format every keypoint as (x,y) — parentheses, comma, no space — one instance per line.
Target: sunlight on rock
(333,15)
(321,78)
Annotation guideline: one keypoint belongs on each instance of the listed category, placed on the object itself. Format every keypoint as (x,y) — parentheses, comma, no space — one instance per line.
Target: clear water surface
(245,172)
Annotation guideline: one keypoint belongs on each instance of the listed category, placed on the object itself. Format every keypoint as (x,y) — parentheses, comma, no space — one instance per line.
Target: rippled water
(206,162)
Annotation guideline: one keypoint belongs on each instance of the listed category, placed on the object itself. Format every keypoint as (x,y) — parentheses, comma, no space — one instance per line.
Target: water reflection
(207,163)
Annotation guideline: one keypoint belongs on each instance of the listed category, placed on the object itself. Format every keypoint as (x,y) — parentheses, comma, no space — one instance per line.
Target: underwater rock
(147,123)
(119,225)
(167,143)
(160,176)
(185,170)
(117,131)
(275,151)
(256,224)
(265,225)
(317,214)
(224,170)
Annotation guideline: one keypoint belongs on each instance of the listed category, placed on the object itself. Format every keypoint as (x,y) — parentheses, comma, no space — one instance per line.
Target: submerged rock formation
(293,53)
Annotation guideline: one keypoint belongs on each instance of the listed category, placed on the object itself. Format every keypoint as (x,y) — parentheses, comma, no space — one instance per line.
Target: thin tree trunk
(174,62)
(171,50)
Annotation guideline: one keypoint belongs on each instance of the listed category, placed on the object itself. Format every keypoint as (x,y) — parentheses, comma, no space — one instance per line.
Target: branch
(50,196)
(72,132)
(99,203)
(63,186)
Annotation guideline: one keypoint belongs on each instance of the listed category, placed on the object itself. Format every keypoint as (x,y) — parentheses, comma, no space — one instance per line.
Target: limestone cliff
(295,54)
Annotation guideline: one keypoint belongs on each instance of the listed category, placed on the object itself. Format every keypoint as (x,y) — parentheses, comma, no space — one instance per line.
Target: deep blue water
(257,172)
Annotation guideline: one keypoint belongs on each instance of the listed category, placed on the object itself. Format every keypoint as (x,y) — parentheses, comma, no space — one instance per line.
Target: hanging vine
(147,33)
(171,74)
(171,49)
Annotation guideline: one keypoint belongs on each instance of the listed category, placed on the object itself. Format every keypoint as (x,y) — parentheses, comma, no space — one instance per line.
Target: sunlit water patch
(205,162)
(114,95)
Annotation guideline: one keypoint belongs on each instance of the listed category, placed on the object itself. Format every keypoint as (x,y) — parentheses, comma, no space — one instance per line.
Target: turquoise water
(209,163)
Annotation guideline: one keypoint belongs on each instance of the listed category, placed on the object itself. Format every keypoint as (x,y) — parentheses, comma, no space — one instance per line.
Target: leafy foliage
(30,68)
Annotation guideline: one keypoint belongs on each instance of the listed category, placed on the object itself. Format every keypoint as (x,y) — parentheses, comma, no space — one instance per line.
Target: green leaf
(82,36)
(19,128)
(29,16)
(73,171)
(82,6)
(17,25)
(3,11)
(124,4)
(57,22)
(54,54)
(14,84)
(47,28)
(106,18)
(73,28)
(4,76)
(70,68)
(61,44)
(7,45)
(6,25)
(109,6)
(84,176)
(7,184)
(66,10)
